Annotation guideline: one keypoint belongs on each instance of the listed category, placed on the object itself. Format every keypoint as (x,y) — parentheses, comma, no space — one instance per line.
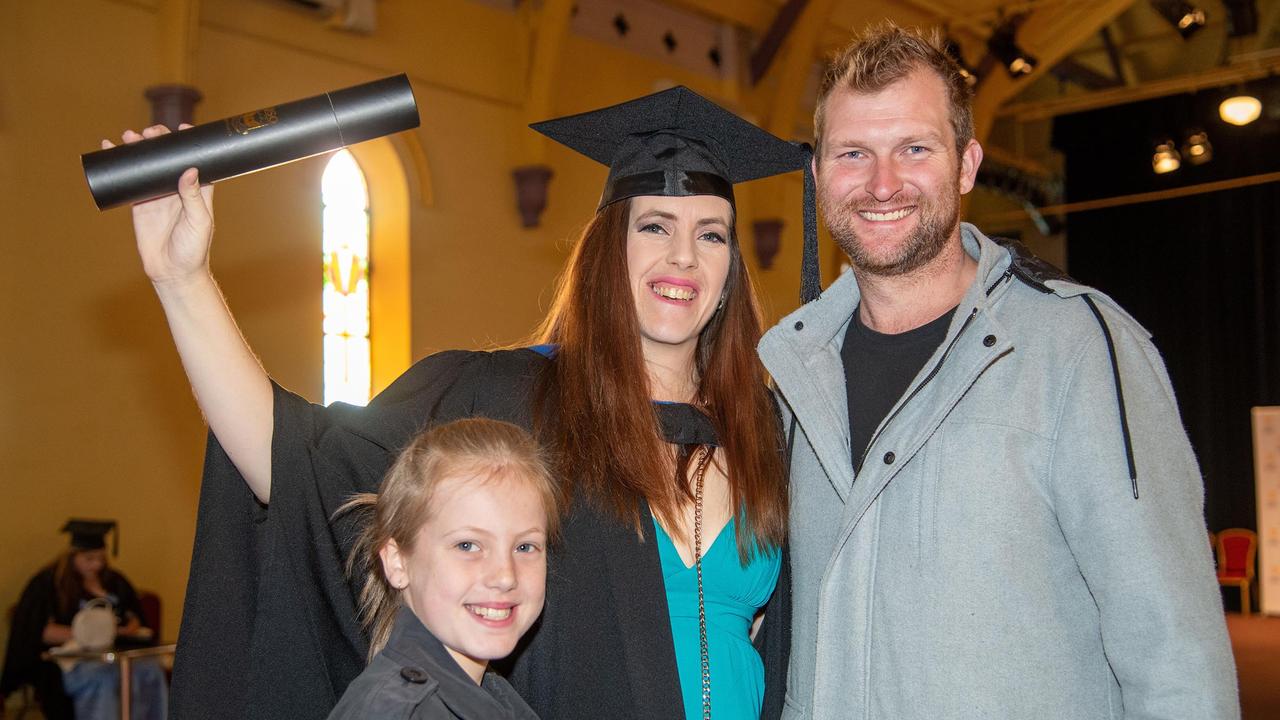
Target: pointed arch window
(347,350)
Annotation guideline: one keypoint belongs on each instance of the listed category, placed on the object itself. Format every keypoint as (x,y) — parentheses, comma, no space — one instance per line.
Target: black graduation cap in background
(90,534)
(678,143)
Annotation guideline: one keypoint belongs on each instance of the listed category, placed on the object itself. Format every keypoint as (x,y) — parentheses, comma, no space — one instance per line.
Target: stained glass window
(347,359)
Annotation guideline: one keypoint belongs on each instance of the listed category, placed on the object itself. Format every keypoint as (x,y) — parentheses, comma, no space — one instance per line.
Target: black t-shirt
(878,369)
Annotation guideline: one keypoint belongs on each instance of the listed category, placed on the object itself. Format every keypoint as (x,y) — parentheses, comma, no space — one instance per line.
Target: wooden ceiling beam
(755,15)
(1049,33)
(793,71)
(954,17)
(545,30)
(1217,77)
(178,32)
(1113,56)
(1082,75)
(1036,169)
(1268,23)
(774,37)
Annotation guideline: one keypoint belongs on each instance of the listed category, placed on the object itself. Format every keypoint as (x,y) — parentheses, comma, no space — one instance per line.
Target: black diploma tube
(253,141)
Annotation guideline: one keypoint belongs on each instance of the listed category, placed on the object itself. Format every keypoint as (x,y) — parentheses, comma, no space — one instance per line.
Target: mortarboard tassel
(810,273)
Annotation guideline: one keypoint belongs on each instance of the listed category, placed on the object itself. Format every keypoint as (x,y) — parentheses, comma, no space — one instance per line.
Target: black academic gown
(37,606)
(270,630)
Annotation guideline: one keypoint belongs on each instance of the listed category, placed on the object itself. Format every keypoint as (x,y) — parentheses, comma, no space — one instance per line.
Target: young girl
(454,566)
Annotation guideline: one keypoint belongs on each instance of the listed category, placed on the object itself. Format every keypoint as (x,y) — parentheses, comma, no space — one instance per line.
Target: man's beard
(936,221)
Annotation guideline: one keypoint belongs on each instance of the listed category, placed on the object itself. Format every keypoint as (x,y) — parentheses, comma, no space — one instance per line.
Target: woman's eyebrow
(656,213)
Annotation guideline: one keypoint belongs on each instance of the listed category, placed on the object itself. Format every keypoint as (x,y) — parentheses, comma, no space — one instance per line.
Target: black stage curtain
(1202,273)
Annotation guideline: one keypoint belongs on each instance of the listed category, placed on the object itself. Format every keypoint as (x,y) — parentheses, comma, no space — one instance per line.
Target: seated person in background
(88,689)
(453,559)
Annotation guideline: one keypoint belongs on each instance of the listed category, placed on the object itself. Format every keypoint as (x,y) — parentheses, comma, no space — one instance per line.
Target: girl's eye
(527,548)
(714,237)
(466,546)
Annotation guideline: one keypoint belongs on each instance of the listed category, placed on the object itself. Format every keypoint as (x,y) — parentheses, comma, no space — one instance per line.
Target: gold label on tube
(248,122)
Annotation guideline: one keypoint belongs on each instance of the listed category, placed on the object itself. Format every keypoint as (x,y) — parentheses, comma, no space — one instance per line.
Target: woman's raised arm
(174,233)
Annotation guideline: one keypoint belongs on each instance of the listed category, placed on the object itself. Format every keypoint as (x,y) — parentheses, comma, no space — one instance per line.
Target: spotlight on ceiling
(1197,149)
(1166,158)
(1185,17)
(952,49)
(1240,109)
(1004,48)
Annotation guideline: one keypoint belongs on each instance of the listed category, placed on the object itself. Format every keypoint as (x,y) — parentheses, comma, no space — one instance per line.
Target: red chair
(150,603)
(1237,550)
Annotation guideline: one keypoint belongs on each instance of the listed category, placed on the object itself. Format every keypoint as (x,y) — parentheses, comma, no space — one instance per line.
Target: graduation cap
(678,143)
(90,534)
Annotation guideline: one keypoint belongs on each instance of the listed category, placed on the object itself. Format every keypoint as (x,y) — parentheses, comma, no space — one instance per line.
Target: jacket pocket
(926,505)
(793,710)
(985,496)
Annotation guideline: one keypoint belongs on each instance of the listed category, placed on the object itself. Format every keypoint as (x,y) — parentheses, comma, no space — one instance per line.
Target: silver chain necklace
(699,472)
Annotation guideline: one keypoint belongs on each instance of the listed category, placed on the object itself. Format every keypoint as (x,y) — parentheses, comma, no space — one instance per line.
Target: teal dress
(732,595)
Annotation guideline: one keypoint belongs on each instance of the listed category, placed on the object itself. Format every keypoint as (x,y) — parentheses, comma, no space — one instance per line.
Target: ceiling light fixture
(1004,47)
(1197,149)
(1166,158)
(1185,17)
(952,49)
(1240,109)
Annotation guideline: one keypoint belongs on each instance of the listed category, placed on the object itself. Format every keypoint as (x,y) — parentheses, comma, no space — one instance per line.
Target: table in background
(123,658)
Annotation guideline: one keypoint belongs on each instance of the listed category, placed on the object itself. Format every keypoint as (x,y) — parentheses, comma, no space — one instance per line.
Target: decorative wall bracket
(173,104)
(768,240)
(531,192)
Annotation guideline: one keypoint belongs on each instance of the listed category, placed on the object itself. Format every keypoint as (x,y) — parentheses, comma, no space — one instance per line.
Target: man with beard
(995,510)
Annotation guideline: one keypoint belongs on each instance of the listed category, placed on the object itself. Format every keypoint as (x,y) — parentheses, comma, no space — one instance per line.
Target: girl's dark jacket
(415,678)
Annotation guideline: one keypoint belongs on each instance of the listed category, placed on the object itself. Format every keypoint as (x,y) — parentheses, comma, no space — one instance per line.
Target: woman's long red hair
(604,432)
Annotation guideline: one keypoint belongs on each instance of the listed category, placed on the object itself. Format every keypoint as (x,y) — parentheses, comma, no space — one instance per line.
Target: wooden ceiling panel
(849,18)
(755,15)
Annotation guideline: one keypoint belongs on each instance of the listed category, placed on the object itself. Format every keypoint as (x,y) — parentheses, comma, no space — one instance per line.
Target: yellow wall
(96,418)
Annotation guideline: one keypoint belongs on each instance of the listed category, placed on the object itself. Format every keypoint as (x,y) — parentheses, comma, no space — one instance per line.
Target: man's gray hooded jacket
(995,557)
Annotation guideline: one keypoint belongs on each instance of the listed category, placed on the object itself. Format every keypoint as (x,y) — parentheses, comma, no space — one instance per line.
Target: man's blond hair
(887,53)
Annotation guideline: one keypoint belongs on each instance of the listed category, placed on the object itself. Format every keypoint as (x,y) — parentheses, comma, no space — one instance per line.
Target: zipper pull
(1008,273)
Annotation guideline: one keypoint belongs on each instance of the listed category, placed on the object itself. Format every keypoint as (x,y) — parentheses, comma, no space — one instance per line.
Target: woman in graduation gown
(647,391)
(42,619)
